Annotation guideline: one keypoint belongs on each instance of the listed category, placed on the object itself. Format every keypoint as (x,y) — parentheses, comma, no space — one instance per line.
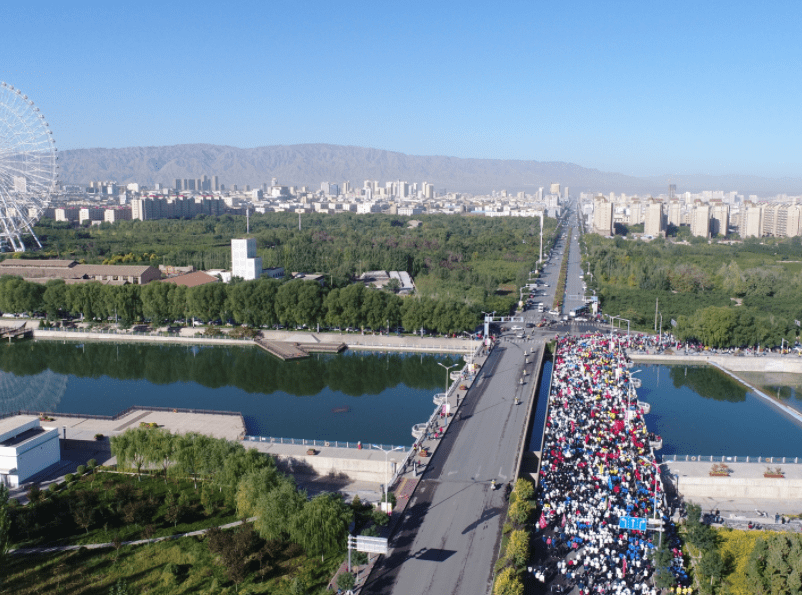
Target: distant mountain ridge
(311,164)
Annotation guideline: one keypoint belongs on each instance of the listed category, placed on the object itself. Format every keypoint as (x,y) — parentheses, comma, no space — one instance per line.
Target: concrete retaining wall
(768,363)
(356,469)
(739,487)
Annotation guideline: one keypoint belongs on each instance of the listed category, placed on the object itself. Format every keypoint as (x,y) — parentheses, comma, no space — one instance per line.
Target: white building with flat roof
(244,262)
(26,448)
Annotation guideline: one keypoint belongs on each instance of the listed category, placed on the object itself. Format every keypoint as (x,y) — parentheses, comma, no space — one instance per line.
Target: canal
(372,397)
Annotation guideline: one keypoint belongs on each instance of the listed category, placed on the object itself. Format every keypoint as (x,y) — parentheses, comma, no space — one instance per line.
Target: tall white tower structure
(244,262)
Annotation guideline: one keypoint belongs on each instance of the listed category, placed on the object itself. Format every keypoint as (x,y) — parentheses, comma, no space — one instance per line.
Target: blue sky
(641,88)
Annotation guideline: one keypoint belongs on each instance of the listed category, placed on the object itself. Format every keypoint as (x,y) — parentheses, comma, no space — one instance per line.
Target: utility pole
(541,237)
(656,301)
(299,221)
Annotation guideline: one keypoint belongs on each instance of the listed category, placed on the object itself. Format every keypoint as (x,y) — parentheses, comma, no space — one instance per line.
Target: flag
(543,522)
(562,522)
(624,566)
(798,323)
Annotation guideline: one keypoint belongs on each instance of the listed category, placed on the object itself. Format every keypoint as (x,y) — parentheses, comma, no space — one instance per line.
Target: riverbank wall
(763,363)
(192,337)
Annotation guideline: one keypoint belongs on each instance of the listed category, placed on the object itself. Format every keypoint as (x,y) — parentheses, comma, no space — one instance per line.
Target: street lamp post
(447,368)
(386,452)
(630,390)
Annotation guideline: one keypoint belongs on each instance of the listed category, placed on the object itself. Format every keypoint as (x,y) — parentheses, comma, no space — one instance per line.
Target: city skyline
(636,89)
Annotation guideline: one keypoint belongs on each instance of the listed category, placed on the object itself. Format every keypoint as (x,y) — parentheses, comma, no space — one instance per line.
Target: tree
(5,522)
(252,486)
(276,510)
(189,449)
(711,564)
(322,524)
(132,447)
(161,449)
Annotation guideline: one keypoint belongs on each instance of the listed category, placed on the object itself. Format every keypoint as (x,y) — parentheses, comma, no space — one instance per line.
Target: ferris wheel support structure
(28,168)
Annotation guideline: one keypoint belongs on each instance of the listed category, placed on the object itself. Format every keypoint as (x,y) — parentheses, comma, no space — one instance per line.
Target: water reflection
(708,383)
(366,396)
(39,392)
(247,368)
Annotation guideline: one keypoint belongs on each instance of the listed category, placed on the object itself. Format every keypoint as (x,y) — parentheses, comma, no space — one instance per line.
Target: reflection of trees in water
(249,369)
(708,383)
(39,392)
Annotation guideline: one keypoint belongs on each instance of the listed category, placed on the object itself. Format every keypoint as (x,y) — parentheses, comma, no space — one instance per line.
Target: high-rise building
(603,216)
(719,218)
(700,220)
(675,213)
(178,185)
(555,188)
(215,184)
(244,262)
(752,221)
(653,219)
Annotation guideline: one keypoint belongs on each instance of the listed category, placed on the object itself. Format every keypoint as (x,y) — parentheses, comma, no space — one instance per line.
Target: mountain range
(311,164)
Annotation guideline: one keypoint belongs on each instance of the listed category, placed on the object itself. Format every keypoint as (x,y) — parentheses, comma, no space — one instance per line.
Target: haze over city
(642,90)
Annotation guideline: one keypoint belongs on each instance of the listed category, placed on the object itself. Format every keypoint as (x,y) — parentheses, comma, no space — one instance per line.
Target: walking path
(96,546)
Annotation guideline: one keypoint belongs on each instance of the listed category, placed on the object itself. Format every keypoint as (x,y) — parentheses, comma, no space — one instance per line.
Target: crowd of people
(597,469)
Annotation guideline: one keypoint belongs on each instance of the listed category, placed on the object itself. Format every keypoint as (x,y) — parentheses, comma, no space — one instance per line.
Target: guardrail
(318,443)
(454,386)
(122,413)
(728,459)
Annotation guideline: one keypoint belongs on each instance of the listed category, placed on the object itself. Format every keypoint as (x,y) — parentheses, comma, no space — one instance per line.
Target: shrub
(508,583)
(524,489)
(518,548)
(346,581)
(380,518)
(69,477)
(519,512)
(99,436)
(80,470)
(52,488)
(91,464)
(389,498)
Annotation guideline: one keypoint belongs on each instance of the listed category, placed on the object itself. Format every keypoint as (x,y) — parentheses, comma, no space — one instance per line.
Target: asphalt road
(449,537)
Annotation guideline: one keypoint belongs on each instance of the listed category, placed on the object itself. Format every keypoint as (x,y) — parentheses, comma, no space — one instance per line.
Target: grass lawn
(119,505)
(181,566)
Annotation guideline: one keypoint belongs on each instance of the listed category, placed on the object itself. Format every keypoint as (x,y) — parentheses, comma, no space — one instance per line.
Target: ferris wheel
(27,167)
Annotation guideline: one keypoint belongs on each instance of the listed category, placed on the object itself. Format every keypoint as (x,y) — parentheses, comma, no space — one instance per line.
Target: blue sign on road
(632,523)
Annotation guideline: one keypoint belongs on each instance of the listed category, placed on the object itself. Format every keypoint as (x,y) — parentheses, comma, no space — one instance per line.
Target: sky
(641,88)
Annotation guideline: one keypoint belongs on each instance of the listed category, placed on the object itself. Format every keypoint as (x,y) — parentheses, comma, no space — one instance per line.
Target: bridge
(449,536)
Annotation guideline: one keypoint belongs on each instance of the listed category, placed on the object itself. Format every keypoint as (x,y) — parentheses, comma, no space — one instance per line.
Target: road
(449,537)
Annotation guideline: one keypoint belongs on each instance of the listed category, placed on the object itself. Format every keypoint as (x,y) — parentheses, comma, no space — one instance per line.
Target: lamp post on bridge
(447,368)
(630,390)
(386,452)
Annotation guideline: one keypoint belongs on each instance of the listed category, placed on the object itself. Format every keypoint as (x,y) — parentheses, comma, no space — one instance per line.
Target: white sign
(371,545)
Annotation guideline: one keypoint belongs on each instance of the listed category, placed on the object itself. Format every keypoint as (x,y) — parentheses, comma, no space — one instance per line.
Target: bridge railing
(317,443)
(729,459)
